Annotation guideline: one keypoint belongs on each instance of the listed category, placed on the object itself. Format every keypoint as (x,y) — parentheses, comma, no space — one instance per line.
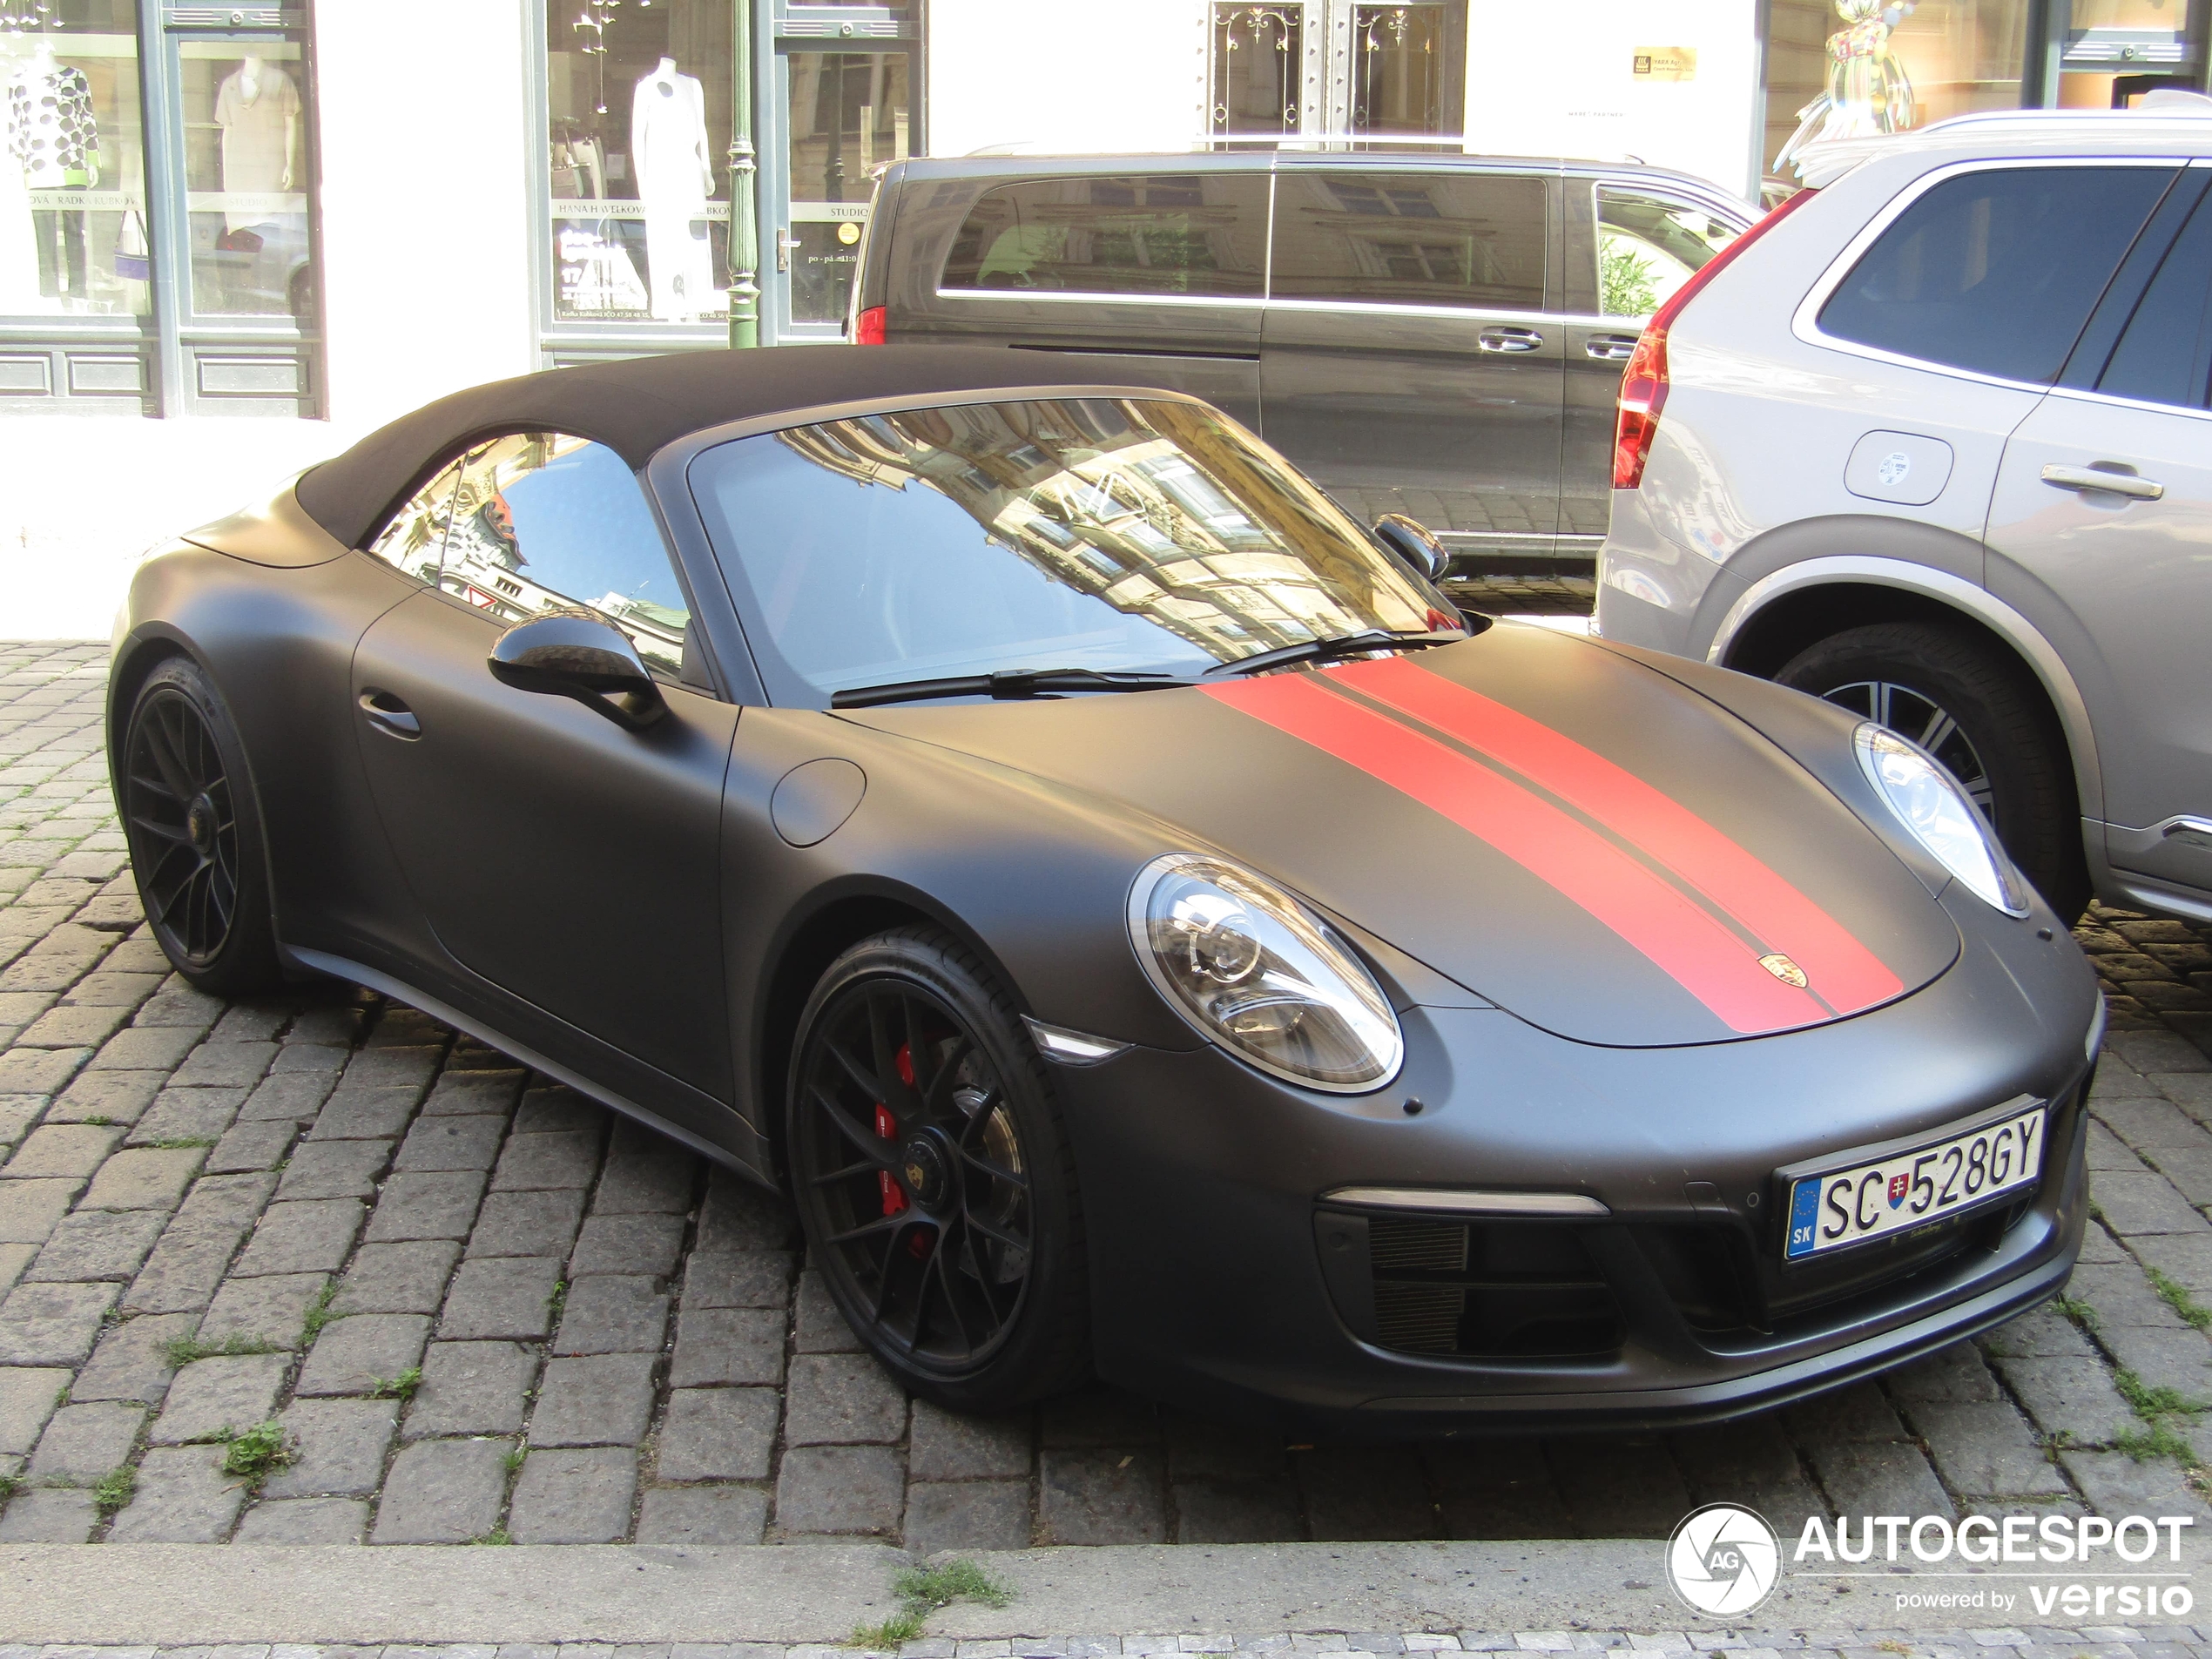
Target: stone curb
(1545,1597)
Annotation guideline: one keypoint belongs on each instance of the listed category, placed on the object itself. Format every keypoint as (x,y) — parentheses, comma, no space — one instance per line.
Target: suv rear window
(1411,239)
(1996,271)
(1192,233)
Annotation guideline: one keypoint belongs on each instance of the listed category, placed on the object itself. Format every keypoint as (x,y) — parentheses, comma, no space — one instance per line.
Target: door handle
(2116,483)
(1610,348)
(784,242)
(390,716)
(1509,340)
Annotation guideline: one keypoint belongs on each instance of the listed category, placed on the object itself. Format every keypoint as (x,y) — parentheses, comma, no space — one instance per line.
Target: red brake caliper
(887,1128)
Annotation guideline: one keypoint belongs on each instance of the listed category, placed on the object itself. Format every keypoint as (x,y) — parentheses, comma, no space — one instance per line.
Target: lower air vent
(1420,1318)
(1520,1290)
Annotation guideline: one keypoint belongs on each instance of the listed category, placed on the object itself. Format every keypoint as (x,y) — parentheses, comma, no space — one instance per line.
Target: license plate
(1839,1208)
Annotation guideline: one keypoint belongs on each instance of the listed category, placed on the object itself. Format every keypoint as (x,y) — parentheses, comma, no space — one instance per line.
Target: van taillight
(867,328)
(1643,384)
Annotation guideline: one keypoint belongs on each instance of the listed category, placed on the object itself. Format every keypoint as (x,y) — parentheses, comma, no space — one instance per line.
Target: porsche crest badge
(1784,969)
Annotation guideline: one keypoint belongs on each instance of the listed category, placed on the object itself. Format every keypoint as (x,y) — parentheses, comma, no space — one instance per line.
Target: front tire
(194,830)
(934,1178)
(1981,714)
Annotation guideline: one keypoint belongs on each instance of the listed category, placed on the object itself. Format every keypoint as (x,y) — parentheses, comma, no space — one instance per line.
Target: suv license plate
(1909,1189)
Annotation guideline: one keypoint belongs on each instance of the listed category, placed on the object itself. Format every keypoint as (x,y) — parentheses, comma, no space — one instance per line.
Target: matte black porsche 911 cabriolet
(1137,918)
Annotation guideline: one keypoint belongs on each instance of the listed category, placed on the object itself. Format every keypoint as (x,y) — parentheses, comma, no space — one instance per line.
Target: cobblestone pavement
(476,1308)
(2094,1642)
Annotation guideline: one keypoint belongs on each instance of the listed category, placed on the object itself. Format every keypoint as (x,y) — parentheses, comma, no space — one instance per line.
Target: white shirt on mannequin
(257,109)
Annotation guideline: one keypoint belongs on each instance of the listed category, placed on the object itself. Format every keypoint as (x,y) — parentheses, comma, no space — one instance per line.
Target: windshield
(1108,534)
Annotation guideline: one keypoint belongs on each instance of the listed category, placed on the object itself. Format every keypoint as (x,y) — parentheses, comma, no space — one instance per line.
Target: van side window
(1183,234)
(1996,271)
(1647,247)
(1411,239)
(2165,355)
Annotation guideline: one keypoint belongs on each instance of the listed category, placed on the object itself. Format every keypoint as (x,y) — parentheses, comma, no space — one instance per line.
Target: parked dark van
(1436,335)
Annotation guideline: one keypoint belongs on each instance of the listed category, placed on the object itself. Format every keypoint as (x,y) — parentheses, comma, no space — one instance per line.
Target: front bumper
(1223,1280)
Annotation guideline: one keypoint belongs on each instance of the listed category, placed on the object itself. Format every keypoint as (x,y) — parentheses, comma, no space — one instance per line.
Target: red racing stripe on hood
(1685,941)
(1843,971)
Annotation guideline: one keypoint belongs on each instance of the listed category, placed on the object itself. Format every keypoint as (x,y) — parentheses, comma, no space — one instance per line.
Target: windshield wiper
(1007,683)
(1322,651)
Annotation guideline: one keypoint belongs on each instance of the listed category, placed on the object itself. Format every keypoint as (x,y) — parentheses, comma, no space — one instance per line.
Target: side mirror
(1415,542)
(579,654)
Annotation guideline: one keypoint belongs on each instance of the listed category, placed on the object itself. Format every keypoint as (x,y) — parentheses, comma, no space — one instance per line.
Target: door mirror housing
(579,654)
(1415,542)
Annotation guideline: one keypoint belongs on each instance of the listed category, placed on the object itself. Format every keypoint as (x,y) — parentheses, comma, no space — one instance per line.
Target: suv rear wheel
(1977,711)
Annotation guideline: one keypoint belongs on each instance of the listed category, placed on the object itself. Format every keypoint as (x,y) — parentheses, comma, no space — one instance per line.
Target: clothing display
(1869,90)
(53,144)
(257,107)
(669,161)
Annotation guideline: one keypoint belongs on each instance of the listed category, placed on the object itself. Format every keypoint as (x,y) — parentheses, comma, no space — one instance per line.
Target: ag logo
(1723,1559)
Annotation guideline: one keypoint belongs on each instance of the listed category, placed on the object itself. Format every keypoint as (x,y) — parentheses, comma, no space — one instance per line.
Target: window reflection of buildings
(1150,512)
(1395,258)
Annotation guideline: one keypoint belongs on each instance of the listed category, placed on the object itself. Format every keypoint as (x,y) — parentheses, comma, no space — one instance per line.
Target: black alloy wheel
(1982,715)
(195,835)
(931,1178)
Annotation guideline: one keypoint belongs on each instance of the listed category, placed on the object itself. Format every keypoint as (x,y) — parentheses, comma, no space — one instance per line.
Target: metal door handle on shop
(1509,340)
(784,242)
(2117,484)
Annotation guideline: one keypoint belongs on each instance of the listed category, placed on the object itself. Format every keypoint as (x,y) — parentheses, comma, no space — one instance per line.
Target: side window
(1189,233)
(543,521)
(2165,355)
(1474,239)
(1996,271)
(1648,246)
(415,541)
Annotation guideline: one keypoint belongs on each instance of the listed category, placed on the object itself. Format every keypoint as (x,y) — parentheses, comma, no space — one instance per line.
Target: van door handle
(2116,483)
(1610,348)
(390,716)
(1509,340)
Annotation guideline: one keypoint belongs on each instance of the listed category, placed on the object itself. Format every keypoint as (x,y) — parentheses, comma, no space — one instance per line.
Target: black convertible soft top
(636,406)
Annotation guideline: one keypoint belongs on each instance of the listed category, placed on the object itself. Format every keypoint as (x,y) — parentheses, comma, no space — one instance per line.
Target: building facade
(321,216)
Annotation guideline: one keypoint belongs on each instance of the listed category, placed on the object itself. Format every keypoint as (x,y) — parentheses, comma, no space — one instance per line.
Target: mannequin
(668,157)
(257,109)
(52,135)
(1869,88)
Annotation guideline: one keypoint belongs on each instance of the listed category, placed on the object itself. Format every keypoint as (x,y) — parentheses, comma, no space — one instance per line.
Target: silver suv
(1933,442)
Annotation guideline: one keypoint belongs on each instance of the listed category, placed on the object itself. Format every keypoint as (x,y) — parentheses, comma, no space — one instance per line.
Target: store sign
(1664,63)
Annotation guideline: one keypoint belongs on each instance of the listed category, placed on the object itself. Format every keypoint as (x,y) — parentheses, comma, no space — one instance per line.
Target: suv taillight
(1643,384)
(867,326)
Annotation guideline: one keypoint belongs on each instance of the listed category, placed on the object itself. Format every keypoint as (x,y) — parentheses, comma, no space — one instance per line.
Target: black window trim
(1804,321)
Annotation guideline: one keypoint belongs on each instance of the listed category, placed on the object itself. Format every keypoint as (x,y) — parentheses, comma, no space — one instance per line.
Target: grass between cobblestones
(428,1298)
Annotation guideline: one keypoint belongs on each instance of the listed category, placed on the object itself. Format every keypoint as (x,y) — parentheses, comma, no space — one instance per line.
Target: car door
(1144,278)
(565,861)
(2100,533)
(1409,358)
(1629,245)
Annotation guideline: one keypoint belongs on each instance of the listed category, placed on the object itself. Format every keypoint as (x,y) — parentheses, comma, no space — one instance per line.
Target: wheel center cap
(922,1166)
(200,824)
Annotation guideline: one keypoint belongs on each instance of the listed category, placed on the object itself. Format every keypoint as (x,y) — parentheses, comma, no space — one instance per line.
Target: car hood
(1570,835)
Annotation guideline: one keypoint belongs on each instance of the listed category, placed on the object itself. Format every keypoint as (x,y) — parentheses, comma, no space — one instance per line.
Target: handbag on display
(132,262)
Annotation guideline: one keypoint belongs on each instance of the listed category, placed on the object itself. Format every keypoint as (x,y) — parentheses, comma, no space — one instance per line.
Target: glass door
(842,108)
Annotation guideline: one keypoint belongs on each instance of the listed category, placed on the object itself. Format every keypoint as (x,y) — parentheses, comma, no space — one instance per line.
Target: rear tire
(934,1178)
(1981,714)
(194,828)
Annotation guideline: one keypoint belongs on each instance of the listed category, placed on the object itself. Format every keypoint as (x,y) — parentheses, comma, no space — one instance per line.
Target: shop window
(1411,239)
(638,99)
(1409,70)
(1181,233)
(72,176)
(850,116)
(247,180)
(1854,68)
(1258,52)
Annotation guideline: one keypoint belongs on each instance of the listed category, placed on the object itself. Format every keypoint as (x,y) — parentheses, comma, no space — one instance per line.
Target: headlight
(1928,802)
(1255,971)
